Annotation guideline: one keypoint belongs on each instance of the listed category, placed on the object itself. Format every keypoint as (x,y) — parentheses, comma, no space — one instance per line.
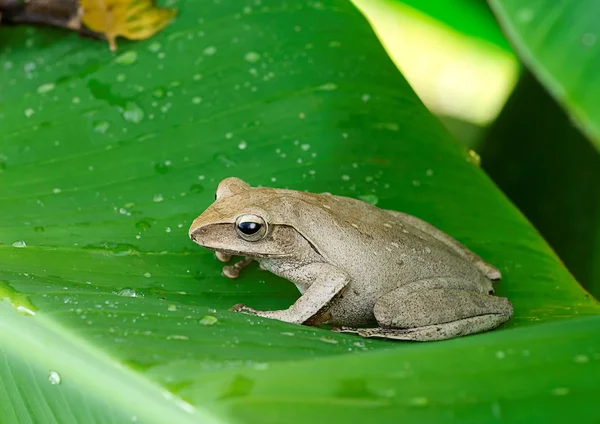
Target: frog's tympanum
(355,265)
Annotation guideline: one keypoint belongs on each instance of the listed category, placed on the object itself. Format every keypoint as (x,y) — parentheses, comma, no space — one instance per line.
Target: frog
(360,269)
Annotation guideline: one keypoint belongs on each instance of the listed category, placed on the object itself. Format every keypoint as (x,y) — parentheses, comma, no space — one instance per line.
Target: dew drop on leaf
(101,127)
(19,244)
(127,58)
(161,168)
(143,225)
(252,57)
(208,320)
(132,113)
(129,292)
(54,378)
(45,88)
(369,198)
(197,188)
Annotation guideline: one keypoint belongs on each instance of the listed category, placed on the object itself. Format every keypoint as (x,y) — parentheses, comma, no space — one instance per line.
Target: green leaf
(558,41)
(470,17)
(106,162)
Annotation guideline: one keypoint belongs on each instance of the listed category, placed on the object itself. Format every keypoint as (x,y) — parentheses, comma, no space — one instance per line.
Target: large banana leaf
(111,314)
(558,40)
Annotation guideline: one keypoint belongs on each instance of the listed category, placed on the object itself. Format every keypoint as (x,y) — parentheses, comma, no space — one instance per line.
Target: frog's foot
(243,308)
(427,333)
(233,271)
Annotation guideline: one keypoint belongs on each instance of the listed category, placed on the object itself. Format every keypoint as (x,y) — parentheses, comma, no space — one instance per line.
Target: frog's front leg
(325,282)
(436,309)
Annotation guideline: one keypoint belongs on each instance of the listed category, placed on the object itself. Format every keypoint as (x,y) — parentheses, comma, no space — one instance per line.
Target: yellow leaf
(132,19)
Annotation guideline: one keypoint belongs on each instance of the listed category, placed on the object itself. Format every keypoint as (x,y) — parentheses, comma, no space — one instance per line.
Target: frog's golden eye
(251,227)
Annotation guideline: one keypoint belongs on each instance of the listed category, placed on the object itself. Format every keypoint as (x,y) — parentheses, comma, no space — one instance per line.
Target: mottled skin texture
(355,264)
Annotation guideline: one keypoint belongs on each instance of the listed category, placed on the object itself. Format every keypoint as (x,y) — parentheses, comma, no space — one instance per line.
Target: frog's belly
(351,308)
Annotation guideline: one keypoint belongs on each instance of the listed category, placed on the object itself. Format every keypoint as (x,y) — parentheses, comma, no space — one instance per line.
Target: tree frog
(354,264)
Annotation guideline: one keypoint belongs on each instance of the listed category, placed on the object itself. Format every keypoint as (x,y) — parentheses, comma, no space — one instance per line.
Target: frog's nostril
(195,236)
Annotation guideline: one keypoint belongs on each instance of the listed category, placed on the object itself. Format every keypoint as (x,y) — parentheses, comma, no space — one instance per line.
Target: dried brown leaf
(132,19)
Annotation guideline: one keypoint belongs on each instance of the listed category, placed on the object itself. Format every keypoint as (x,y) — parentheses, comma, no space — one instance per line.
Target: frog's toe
(240,307)
(230,271)
(345,330)
(223,257)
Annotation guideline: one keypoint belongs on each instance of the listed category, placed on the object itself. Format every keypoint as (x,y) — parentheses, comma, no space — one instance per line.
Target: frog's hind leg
(426,333)
(436,309)
(490,271)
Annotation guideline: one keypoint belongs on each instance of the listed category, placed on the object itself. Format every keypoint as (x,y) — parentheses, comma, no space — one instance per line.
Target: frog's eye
(251,227)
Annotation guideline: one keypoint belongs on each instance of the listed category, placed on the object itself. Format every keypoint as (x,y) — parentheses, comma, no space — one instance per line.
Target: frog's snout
(196,234)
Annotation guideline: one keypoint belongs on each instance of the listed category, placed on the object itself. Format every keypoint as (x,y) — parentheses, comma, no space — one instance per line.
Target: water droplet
(161,168)
(305,147)
(132,113)
(154,47)
(172,308)
(474,157)
(429,172)
(127,58)
(224,160)
(242,145)
(197,100)
(389,126)
(369,198)
(210,50)
(129,292)
(46,88)
(560,391)
(101,127)
(418,401)
(208,320)
(158,198)
(589,39)
(143,225)
(147,275)
(365,97)
(524,15)
(252,57)
(196,188)
(500,354)
(29,112)
(54,378)
(177,337)
(19,244)
(56,190)
(328,340)
(38,229)
(328,87)
(582,359)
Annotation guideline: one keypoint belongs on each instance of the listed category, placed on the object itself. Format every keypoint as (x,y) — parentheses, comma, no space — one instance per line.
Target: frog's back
(371,244)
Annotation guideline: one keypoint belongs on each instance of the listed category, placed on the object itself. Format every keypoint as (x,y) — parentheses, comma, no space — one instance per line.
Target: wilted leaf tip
(132,19)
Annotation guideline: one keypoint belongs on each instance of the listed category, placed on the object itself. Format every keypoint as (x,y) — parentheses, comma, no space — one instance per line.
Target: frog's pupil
(249,227)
